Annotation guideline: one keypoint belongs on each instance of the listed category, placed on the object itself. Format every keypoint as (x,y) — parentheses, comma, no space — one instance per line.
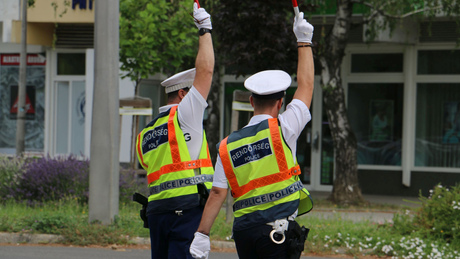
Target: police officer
(173,150)
(259,164)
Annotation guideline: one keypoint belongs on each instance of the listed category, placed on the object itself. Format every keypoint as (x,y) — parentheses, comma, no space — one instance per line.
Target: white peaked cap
(268,82)
(179,80)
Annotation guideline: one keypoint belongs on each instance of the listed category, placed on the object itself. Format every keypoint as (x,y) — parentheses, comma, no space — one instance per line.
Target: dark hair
(263,103)
(173,95)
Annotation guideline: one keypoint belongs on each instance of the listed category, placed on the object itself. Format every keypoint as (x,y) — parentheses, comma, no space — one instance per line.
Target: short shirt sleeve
(220,179)
(190,114)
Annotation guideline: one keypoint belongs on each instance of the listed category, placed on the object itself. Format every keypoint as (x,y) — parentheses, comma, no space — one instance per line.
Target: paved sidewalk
(376,199)
(374,215)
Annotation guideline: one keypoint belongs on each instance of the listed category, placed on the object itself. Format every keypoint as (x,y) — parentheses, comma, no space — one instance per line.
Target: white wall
(126,90)
(126,87)
(10,10)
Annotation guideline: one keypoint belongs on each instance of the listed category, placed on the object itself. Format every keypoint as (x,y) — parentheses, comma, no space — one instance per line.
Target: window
(437,131)
(377,63)
(438,62)
(71,64)
(375,113)
(438,125)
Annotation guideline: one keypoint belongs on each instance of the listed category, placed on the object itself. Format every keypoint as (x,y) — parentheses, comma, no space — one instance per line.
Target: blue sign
(154,138)
(82,4)
(250,152)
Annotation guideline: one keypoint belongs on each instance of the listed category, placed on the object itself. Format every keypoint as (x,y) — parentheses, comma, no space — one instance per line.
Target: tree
(259,35)
(156,36)
(378,15)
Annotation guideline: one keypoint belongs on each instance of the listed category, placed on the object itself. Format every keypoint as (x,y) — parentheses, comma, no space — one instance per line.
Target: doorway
(69,117)
(67,103)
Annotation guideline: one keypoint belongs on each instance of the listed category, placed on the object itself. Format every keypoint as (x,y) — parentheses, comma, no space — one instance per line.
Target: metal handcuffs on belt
(280,226)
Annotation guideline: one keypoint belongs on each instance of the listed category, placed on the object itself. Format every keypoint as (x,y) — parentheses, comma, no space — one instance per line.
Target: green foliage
(221,230)
(366,238)
(36,180)
(156,36)
(255,36)
(131,183)
(388,14)
(69,218)
(10,174)
(48,224)
(438,217)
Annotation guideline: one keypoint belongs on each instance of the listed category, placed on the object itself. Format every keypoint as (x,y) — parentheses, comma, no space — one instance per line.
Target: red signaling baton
(198,3)
(295,5)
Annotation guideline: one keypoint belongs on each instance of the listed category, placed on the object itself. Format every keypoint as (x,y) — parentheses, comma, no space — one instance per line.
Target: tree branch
(380,10)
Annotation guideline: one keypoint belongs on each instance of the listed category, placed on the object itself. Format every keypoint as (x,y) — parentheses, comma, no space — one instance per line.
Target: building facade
(60,78)
(402,94)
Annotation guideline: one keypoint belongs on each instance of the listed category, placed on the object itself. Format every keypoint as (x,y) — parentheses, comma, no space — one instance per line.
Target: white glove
(302,29)
(200,246)
(201,17)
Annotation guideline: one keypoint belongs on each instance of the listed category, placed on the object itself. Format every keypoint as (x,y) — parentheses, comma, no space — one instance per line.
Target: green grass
(70,219)
(327,236)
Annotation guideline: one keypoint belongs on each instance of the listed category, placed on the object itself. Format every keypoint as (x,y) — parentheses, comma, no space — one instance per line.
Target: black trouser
(171,233)
(255,242)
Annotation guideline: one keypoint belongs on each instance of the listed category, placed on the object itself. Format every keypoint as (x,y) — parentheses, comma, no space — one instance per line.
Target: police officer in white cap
(173,150)
(258,162)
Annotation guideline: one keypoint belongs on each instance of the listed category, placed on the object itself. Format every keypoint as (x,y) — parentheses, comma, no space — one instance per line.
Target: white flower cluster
(404,248)
(456,205)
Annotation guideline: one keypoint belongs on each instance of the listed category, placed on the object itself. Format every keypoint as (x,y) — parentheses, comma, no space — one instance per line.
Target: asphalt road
(65,252)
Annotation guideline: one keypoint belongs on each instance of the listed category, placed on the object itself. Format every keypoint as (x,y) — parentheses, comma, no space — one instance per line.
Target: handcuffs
(280,226)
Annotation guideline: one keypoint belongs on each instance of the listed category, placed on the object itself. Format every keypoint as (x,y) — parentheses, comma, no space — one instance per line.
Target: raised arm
(204,62)
(305,67)
(201,244)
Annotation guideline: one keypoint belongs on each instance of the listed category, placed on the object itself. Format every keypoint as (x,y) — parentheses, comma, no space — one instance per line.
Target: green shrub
(52,179)
(45,179)
(437,218)
(130,183)
(10,174)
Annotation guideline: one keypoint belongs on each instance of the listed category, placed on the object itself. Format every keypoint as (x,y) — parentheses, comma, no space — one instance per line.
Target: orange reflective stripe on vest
(180,166)
(283,174)
(175,154)
(139,150)
(177,163)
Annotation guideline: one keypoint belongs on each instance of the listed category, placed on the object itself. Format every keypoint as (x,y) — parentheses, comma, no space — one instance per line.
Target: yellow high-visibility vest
(262,175)
(163,153)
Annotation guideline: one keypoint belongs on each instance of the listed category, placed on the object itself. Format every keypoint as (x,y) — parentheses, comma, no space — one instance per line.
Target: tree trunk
(346,188)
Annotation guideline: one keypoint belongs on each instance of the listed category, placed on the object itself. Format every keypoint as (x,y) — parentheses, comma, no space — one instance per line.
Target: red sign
(30,102)
(29,107)
(14,60)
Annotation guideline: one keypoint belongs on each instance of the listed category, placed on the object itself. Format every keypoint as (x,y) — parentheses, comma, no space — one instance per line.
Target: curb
(22,238)
(25,238)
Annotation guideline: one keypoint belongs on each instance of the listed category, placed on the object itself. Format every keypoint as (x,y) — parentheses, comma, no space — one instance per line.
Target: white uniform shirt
(190,115)
(292,121)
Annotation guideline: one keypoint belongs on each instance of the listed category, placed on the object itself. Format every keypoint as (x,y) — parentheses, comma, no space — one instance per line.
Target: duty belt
(180,183)
(269,197)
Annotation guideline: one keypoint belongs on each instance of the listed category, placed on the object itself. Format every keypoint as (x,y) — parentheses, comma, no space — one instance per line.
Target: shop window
(438,125)
(375,113)
(438,62)
(71,64)
(377,63)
